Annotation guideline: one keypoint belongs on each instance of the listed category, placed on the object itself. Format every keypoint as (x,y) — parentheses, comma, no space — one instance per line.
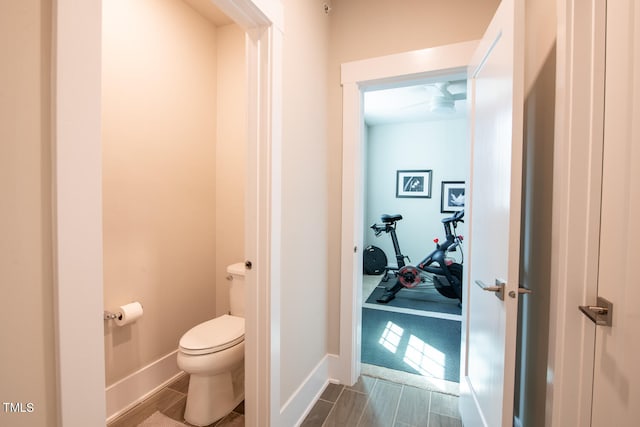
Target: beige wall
(27,366)
(363,29)
(230,156)
(160,158)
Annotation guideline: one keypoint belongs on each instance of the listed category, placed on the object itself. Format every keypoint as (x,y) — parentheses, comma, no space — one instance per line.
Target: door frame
(577,172)
(356,77)
(77,206)
(577,161)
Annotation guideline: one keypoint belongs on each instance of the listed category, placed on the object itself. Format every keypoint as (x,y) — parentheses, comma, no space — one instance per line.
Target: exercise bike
(446,274)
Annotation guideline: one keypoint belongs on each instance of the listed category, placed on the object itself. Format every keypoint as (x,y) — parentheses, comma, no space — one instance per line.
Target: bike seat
(387,219)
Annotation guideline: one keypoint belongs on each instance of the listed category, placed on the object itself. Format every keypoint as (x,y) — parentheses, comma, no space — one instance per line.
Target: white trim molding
(386,71)
(402,67)
(77,192)
(133,389)
(295,410)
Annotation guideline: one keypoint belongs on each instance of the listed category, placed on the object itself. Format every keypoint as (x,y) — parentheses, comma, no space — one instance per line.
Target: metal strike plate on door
(601,313)
(498,288)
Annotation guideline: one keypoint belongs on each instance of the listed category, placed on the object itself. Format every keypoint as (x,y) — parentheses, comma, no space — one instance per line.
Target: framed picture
(413,184)
(452,197)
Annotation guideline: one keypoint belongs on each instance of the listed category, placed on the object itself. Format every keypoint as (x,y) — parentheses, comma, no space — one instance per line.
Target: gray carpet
(416,344)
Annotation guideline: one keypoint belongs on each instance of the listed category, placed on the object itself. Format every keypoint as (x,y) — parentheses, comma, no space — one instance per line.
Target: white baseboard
(299,405)
(129,391)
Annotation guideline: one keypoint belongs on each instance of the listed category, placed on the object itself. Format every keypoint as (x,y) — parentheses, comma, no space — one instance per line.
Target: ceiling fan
(432,100)
(442,96)
(446,100)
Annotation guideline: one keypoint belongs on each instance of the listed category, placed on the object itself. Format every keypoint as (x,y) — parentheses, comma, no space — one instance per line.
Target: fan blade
(417,104)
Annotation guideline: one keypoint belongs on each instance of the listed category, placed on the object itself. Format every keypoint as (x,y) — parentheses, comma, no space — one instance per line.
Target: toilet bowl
(213,354)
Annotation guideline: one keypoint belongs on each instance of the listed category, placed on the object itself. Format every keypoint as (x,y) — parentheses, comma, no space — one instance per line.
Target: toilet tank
(236,290)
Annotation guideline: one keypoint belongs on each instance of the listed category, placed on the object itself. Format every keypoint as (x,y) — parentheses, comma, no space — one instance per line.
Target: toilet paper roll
(128,313)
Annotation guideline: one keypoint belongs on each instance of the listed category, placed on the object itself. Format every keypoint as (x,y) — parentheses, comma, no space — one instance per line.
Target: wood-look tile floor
(171,401)
(375,402)
(371,402)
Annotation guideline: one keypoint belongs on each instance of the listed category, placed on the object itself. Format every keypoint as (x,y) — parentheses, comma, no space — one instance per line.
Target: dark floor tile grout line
(339,394)
(333,406)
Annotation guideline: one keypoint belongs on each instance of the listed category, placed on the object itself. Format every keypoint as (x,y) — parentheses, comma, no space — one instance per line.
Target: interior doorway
(423,67)
(171,144)
(415,166)
(77,177)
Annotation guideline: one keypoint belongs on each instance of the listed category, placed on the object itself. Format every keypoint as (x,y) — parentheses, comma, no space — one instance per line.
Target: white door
(616,387)
(489,315)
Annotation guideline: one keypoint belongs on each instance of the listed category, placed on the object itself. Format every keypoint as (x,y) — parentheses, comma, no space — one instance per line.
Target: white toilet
(213,354)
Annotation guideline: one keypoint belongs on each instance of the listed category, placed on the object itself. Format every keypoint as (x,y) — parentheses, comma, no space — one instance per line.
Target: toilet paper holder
(110,316)
(122,313)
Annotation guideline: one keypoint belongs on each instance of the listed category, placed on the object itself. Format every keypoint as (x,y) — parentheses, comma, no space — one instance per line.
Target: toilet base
(211,397)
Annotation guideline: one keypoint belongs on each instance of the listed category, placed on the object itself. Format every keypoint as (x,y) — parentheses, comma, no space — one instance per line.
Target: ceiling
(416,103)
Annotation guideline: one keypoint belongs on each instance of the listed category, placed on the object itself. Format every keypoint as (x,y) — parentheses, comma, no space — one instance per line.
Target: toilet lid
(213,335)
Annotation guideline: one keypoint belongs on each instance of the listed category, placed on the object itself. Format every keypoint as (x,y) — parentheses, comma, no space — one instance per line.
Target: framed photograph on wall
(452,197)
(412,183)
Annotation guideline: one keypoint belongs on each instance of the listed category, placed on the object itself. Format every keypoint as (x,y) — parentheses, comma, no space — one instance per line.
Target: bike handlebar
(457,217)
